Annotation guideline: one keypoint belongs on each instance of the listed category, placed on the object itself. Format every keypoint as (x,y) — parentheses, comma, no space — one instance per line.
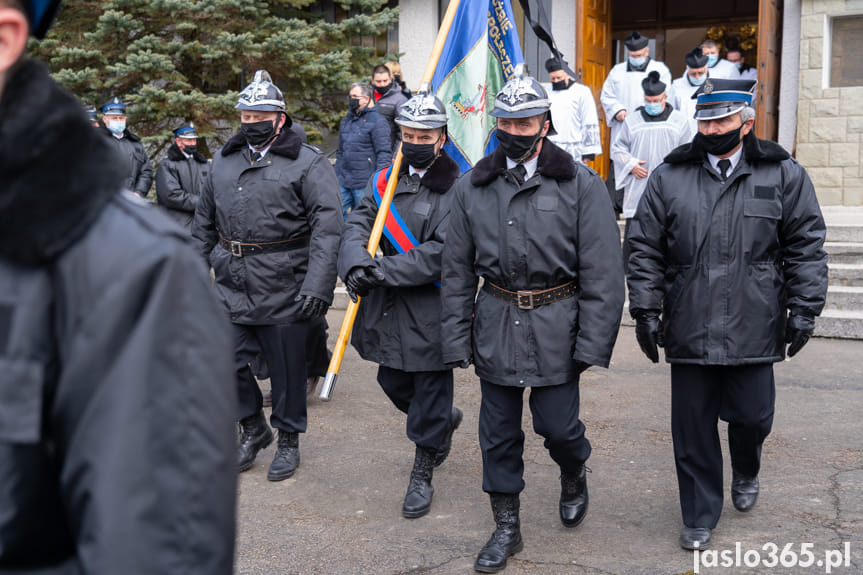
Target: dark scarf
(440,176)
(175,154)
(552,163)
(287,144)
(754,150)
(57,172)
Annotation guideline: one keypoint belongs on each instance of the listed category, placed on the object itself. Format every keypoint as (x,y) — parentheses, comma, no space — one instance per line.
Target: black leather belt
(241,249)
(529,299)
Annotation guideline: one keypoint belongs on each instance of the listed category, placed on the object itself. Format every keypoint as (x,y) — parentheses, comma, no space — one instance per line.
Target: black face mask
(258,134)
(719,144)
(518,148)
(382,89)
(561,85)
(420,156)
(191,150)
(353,104)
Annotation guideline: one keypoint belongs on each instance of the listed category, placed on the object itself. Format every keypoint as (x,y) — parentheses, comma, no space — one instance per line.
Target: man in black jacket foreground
(540,230)
(110,335)
(726,248)
(397,325)
(268,223)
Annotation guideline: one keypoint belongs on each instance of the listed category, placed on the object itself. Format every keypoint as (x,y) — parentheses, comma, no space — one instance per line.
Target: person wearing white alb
(718,67)
(573,111)
(684,87)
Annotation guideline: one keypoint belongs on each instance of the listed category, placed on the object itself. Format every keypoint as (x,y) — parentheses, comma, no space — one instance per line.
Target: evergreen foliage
(173,61)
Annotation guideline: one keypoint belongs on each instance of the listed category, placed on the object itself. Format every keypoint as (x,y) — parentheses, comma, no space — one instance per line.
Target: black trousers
(284,349)
(744,396)
(555,417)
(426,398)
(317,354)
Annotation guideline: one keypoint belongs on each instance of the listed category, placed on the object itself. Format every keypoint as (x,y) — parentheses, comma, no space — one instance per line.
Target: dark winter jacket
(364,147)
(725,261)
(110,336)
(398,324)
(178,184)
(388,107)
(139,174)
(290,194)
(556,228)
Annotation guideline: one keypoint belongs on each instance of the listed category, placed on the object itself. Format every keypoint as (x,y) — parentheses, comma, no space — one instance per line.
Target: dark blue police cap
(718,98)
(187,130)
(114,106)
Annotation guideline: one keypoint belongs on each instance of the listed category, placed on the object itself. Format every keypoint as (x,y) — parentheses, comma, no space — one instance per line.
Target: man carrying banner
(397,325)
(538,228)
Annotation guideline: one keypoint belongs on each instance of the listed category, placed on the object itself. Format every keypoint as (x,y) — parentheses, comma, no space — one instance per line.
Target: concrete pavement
(341,512)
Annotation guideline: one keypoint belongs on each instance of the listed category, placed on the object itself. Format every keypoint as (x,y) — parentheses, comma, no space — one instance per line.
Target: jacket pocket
(21,390)
(762,208)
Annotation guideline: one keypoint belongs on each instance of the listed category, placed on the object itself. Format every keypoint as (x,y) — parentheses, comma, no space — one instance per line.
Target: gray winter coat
(556,228)
(364,148)
(139,174)
(398,324)
(388,107)
(178,184)
(725,262)
(117,389)
(291,193)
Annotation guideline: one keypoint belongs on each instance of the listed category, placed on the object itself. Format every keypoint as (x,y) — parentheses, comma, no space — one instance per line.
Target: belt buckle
(520,295)
(237,249)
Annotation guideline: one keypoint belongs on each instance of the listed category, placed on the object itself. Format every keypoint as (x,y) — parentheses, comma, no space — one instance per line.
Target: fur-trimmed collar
(553,163)
(56,171)
(440,176)
(126,133)
(754,150)
(287,144)
(175,154)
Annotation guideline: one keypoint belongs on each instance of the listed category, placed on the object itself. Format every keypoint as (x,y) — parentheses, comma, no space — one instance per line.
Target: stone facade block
(802,121)
(816,53)
(828,196)
(822,107)
(812,26)
(827,130)
(847,154)
(853,195)
(811,84)
(804,54)
(855,124)
(851,101)
(826,178)
(813,155)
(830,92)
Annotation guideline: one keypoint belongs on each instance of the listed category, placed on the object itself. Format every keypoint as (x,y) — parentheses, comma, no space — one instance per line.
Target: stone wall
(829,120)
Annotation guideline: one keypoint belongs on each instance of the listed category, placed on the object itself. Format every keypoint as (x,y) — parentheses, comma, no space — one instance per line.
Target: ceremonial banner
(480,54)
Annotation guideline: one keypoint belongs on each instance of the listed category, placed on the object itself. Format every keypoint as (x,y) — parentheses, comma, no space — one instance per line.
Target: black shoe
(506,539)
(573,497)
(287,456)
(695,538)
(744,491)
(420,491)
(455,418)
(255,435)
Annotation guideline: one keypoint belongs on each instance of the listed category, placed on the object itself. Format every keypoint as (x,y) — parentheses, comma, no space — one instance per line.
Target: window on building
(846,65)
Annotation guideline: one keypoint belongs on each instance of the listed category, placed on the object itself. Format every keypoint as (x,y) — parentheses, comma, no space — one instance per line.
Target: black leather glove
(463,364)
(648,332)
(798,330)
(312,306)
(361,279)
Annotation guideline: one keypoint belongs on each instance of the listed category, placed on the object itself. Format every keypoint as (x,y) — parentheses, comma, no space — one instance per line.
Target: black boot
(255,435)
(287,456)
(506,539)
(419,496)
(573,497)
(454,421)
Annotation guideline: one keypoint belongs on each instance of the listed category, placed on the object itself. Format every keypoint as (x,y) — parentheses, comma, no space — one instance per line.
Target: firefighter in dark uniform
(397,325)
(139,173)
(539,231)
(268,222)
(726,267)
(181,175)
